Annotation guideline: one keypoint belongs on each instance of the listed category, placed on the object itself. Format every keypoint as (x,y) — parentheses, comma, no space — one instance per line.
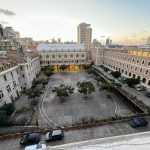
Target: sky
(124,21)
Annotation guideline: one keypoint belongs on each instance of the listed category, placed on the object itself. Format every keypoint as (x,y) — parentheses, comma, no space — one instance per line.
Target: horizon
(122,21)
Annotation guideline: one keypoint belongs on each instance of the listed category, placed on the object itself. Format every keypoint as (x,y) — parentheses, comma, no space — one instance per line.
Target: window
(1,95)
(53,56)
(11,74)
(47,56)
(65,56)
(149,82)
(140,70)
(146,72)
(149,63)
(5,78)
(77,55)
(142,62)
(23,75)
(14,83)
(59,56)
(135,68)
(144,80)
(137,61)
(82,55)
(8,88)
(21,68)
(71,55)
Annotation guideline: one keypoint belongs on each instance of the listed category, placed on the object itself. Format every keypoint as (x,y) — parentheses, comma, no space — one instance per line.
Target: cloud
(3,22)
(7,12)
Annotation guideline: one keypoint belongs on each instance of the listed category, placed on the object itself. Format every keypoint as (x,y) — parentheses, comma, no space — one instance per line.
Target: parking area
(81,135)
(75,107)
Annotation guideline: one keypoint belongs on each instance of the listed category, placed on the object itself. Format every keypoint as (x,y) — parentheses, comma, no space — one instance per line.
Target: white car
(36,147)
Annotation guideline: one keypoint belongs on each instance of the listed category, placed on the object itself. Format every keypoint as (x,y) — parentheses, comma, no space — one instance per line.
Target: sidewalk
(139,94)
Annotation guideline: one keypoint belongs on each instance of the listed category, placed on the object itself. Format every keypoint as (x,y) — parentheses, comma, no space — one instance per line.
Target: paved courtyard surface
(81,135)
(75,107)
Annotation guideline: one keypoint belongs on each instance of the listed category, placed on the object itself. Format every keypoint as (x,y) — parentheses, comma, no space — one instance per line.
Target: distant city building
(73,55)
(84,35)
(108,41)
(96,43)
(10,40)
(148,41)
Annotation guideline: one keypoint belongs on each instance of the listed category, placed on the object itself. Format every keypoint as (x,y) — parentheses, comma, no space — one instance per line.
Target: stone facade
(59,54)
(17,77)
(131,63)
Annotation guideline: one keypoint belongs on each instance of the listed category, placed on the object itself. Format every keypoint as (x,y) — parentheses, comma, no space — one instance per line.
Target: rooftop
(59,47)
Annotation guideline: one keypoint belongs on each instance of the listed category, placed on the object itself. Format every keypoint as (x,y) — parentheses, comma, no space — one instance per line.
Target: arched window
(65,55)
(71,55)
(59,56)
(53,56)
(82,55)
(77,55)
(47,56)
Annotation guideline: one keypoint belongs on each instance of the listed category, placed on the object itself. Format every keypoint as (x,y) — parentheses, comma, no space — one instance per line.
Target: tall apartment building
(84,34)
(130,62)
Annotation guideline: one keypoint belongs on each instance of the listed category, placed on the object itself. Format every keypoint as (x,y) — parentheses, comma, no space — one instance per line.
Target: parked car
(30,138)
(139,87)
(36,147)
(122,79)
(147,94)
(138,122)
(54,135)
(118,85)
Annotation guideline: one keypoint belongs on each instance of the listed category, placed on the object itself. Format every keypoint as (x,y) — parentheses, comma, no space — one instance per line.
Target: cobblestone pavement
(81,135)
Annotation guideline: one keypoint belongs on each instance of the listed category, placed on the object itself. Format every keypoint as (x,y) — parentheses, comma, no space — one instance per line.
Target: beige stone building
(130,62)
(73,55)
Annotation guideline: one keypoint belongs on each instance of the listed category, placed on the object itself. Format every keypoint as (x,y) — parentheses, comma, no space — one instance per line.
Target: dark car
(138,122)
(118,85)
(54,135)
(147,94)
(30,138)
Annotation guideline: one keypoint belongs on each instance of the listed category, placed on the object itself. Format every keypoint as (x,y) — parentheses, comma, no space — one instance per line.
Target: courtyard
(53,113)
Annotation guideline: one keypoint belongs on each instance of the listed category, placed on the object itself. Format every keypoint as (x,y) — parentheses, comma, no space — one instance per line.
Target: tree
(8,108)
(48,73)
(63,67)
(33,93)
(85,88)
(116,74)
(63,91)
(4,119)
(132,81)
(109,87)
(92,63)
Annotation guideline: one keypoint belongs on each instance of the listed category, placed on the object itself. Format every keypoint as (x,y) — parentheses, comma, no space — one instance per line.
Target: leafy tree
(86,67)
(63,91)
(92,63)
(33,93)
(4,119)
(48,67)
(109,87)
(48,73)
(132,81)
(8,108)
(116,74)
(63,67)
(85,87)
